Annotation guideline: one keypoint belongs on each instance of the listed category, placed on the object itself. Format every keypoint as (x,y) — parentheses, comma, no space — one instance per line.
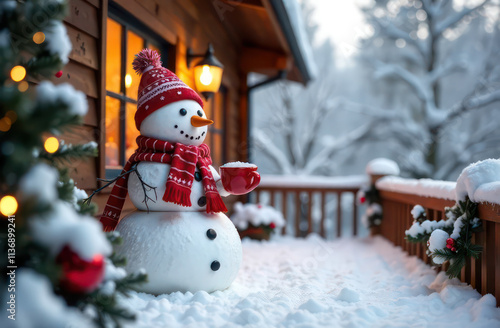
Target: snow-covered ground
(313,283)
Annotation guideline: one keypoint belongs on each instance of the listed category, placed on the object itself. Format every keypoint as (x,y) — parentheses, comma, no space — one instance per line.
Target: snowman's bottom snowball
(181,251)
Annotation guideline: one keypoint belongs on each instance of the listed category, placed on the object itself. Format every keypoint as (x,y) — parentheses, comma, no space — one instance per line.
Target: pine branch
(70,153)
(123,286)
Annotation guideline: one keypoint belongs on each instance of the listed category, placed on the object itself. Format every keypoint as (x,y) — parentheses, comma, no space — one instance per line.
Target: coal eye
(200,114)
(183,111)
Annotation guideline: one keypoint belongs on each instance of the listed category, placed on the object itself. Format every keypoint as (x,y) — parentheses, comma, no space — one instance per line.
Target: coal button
(197,176)
(211,234)
(202,201)
(215,266)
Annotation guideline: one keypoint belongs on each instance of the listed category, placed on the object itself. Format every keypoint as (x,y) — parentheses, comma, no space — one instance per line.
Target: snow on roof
(420,187)
(294,14)
(480,181)
(313,181)
(382,166)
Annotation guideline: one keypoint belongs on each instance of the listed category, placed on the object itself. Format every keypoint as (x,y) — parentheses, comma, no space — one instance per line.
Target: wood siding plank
(81,77)
(85,48)
(83,16)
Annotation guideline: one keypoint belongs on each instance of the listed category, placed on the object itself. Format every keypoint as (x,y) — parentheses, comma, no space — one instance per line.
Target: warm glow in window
(113,56)
(122,84)
(134,45)
(112,131)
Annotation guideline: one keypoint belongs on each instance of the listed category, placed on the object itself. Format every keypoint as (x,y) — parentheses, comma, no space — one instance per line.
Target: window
(215,110)
(125,38)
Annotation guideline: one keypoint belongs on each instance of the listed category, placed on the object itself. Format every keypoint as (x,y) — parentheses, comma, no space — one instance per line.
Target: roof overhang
(270,37)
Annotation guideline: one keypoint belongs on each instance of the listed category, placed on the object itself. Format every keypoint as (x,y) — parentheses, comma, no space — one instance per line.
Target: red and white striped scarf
(183,160)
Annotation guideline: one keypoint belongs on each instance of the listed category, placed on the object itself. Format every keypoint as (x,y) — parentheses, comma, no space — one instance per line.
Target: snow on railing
(316,182)
(420,187)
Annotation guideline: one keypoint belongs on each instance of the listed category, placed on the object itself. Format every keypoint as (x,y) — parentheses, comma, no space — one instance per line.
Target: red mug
(239,180)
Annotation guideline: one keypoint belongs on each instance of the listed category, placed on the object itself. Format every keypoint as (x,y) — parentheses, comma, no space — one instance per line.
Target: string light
(8,205)
(51,145)
(128,80)
(18,73)
(38,37)
(5,124)
(22,86)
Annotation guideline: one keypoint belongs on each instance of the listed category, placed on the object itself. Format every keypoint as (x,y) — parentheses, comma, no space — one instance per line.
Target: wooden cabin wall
(183,24)
(83,72)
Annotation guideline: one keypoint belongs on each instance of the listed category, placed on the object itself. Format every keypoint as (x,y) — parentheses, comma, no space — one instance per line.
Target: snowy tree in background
(57,265)
(298,138)
(446,56)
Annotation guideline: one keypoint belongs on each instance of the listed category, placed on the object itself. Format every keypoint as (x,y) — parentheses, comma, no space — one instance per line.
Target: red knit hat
(159,86)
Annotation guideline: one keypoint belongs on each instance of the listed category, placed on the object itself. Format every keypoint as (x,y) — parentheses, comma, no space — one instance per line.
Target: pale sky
(341,21)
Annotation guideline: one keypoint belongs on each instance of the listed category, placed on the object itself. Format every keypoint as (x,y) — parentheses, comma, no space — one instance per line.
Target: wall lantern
(207,72)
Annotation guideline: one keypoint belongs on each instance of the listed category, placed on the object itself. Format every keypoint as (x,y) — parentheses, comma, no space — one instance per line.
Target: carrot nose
(200,121)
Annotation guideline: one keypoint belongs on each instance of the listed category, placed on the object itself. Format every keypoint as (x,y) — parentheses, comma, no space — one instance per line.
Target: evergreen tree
(57,263)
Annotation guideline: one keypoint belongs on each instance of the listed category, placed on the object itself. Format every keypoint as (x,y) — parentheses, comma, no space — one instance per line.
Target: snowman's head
(181,121)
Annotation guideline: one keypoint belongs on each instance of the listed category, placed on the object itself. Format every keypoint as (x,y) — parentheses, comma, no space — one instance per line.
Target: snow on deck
(313,283)
(421,187)
(313,181)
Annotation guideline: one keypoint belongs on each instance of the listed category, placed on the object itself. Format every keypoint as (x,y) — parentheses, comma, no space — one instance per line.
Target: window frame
(130,23)
(222,130)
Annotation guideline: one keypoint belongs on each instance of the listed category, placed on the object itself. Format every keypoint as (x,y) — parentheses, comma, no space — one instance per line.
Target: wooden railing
(483,273)
(297,199)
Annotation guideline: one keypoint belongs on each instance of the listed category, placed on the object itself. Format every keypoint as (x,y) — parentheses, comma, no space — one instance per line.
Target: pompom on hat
(159,86)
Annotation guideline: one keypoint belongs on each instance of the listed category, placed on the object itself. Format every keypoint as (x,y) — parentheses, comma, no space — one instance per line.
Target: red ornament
(272,225)
(58,74)
(79,275)
(362,199)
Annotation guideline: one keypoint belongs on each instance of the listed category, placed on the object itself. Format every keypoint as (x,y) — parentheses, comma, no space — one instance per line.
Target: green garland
(372,218)
(462,223)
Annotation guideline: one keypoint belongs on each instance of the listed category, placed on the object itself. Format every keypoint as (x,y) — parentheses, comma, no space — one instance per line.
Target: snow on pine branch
(48,94)
(57,41)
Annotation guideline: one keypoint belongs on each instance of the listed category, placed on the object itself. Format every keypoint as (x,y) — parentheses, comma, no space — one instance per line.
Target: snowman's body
(181,251)
(174,243)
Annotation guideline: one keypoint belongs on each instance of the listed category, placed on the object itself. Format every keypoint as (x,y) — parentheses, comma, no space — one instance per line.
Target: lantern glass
(207,78)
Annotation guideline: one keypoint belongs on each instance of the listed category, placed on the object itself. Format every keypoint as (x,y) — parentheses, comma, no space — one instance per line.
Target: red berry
(449,246)
(58,74)
(453,249)
(259,206)
(362,200)
(450,241)
(272,225)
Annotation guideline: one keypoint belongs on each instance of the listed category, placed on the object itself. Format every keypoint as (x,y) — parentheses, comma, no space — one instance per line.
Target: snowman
(179,234)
